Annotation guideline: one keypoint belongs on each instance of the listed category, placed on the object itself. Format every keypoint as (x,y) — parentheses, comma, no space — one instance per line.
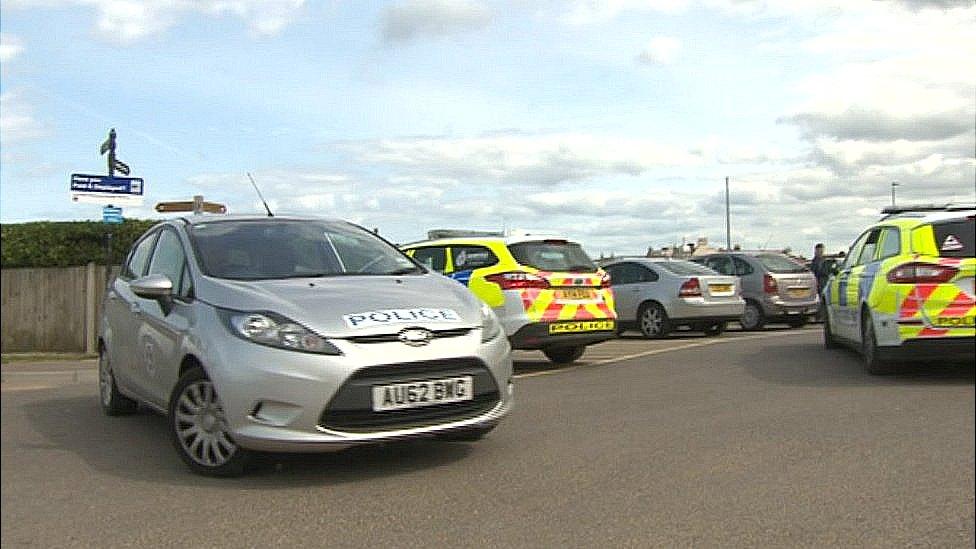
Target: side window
(138,257)
(169,259)
(466,258)
(623,273)
(869,247)
(890,242)
(742,267)
(720,264)
(186,283)
(648,274)
(854,252)
(433,258)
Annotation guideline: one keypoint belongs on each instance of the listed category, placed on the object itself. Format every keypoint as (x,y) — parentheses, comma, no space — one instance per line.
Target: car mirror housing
(154,286)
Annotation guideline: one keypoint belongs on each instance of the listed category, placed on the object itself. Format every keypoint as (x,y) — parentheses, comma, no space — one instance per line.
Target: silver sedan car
(658,295)
(295,334)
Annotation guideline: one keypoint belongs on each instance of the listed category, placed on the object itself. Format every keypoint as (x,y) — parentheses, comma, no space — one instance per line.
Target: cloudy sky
(612,121)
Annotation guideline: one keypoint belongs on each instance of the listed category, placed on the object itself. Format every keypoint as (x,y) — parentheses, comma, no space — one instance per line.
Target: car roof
(504,240)
(218,218)
(914,219)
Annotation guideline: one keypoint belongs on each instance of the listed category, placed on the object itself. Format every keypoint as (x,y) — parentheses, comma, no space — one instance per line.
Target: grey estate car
(775,288)
(657,295)
(294,334)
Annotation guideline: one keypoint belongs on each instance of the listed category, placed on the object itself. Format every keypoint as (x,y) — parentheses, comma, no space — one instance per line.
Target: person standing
(819,267)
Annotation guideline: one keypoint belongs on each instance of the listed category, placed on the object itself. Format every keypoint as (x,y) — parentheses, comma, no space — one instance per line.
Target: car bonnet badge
(415,337)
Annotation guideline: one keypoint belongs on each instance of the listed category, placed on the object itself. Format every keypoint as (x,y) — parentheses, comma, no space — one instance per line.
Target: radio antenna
(260,195)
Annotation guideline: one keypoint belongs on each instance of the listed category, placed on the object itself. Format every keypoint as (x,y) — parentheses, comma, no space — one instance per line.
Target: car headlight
(275,330)
(490,327)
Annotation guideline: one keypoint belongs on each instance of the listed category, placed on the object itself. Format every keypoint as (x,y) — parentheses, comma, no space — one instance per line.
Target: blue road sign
(104,184)
(112,214)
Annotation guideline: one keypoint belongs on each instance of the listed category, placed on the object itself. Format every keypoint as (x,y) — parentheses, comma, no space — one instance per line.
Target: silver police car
(298,335)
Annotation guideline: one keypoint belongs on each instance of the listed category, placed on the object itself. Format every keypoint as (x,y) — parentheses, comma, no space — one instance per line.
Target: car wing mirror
(154,286)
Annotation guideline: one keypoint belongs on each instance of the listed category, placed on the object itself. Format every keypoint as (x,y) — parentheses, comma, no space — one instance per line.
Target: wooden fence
(51,309)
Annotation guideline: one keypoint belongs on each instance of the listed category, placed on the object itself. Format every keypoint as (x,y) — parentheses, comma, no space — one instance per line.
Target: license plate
(417,394)
(798,292)
(719,288)
(581,326)
(575,294)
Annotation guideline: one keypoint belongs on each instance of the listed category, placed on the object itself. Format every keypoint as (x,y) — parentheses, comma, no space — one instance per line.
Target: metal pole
(893,185)
(728,220)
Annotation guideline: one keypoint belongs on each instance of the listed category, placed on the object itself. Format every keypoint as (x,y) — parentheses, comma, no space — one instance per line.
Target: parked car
(658,295)
(548,294)
(775,288)
(907,289)
(295,334)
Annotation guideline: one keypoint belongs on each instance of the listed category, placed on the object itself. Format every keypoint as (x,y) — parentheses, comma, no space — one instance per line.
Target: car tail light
(921,273)
(690,288)
(769,284)
(605,280)
(518,280)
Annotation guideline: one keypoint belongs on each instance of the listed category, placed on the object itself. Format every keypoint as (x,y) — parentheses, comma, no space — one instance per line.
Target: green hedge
(66,243)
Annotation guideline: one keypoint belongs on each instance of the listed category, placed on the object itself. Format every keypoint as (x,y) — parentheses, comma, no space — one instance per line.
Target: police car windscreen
(956,238)
(780,264)
(553,255)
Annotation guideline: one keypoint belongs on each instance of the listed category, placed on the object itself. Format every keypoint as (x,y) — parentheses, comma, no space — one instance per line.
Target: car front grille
(351,409)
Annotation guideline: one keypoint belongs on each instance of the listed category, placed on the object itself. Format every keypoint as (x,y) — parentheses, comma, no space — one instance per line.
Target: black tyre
(564,355)
(870,354)
(752,317)
(653,321)
(466,435)
(830,342)
(113,402)
(714,328)
(198,428)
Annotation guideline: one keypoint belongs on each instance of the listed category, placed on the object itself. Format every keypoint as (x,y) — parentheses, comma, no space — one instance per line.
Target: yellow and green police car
(547,293)
(906,288)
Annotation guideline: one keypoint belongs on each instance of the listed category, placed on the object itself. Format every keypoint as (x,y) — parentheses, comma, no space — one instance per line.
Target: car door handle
(135,309)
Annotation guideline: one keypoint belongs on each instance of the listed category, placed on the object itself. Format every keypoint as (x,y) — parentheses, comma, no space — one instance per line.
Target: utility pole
(728,220)
(893,185)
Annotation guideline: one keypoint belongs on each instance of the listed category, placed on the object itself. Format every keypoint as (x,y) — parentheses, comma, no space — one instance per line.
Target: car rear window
(956,238)
(776,263)
(684,268)
(553,255)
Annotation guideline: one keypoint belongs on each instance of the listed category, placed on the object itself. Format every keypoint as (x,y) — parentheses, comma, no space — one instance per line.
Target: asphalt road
(747,439)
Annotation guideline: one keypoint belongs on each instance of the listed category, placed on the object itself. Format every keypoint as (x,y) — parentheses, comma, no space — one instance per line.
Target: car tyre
(752,317)
(714,328)
(113,402)
(870,353)
(564,355)
(653,321)
(198,428)
(466,435)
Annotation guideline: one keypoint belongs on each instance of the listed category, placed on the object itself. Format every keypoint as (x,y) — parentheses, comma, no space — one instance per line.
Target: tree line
(66,243)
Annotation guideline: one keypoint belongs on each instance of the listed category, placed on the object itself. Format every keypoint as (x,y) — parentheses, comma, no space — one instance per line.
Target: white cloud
(519,158)
(126,21)
(661,50)
(411,19)
(10,47)
(17,122)
(586,12)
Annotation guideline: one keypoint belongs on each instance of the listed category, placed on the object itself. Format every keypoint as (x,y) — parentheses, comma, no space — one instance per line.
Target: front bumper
(274,400)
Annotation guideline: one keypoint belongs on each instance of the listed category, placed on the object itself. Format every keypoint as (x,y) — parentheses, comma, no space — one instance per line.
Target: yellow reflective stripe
(568,312)
(594,310)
